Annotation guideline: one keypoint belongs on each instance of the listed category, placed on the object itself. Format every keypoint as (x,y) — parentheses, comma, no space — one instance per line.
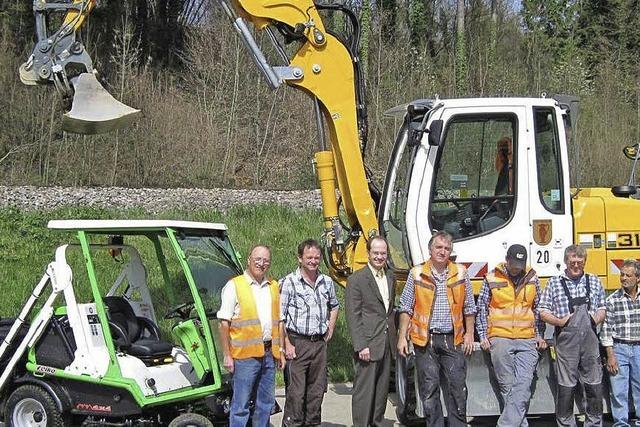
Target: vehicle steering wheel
(181,311)
(489,209)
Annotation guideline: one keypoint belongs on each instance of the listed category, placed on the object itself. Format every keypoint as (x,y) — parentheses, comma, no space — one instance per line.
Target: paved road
(336,411)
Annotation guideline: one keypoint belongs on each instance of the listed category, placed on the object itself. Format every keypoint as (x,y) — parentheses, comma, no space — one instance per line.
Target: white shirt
(383,285)
(230,309)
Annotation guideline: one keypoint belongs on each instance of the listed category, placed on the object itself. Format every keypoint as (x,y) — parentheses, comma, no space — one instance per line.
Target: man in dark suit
(369,304)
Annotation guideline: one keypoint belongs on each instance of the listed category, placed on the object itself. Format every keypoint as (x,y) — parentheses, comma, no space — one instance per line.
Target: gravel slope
(152,200)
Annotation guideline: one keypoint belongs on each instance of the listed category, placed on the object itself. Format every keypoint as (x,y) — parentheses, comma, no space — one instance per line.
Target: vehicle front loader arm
(322,67)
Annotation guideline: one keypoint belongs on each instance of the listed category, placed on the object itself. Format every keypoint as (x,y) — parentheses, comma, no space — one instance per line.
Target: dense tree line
(209,119)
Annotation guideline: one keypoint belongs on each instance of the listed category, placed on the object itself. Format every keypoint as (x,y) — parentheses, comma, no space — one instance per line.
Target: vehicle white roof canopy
(130,224)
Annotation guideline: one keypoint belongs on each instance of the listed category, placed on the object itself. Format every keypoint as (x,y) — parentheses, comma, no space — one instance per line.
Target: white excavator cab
(496,174)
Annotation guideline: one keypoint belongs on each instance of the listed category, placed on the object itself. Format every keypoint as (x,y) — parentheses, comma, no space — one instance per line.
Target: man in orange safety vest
(250,330)
(510,328)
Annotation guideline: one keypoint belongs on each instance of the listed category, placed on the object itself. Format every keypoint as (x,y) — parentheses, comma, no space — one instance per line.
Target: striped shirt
(623,319)
(555,300)
(441,321)
(305,308)
(484,299)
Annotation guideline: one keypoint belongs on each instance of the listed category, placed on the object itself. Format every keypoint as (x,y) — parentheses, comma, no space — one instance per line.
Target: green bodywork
(191,340)
(193,334)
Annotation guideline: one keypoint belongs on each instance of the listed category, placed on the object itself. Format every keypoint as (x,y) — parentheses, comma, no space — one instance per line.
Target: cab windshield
(212,261)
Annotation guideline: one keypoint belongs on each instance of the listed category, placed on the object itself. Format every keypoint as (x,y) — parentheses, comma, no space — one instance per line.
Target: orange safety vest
(246,330)
(425,292)
(511,307)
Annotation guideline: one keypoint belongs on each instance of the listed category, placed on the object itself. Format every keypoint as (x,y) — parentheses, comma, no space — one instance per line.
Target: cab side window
(548,160)
(394,224)
(474,188)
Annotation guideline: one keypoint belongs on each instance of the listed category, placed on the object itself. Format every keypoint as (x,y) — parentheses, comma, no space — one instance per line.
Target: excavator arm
(321,66)
(61,58)
(326,69)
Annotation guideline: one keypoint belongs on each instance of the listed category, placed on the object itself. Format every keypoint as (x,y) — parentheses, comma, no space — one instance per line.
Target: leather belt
(312,338)
(619,341)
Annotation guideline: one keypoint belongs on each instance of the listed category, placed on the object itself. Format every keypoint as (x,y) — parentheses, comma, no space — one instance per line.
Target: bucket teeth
(94,110)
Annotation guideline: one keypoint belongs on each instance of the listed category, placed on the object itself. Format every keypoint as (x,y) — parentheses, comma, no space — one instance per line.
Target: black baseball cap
(517,254)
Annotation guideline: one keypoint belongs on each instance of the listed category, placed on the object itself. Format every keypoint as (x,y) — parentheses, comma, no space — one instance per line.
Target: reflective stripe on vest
(511,309)
(246,331)
(425,292)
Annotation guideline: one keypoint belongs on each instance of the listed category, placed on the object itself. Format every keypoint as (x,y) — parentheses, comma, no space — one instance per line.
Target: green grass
(27,246)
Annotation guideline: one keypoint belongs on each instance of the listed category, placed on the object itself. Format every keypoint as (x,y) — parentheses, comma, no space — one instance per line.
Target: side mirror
(435,132)
(571,104)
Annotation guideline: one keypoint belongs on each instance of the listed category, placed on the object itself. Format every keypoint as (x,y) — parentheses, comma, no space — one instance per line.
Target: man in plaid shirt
(573,302)
(620,336)
(437,313)
(309,308)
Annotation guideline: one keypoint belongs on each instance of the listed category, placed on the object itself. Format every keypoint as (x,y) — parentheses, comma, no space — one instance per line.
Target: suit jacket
(370,325)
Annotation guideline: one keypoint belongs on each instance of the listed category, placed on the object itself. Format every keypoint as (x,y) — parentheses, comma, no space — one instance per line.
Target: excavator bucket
(94,110)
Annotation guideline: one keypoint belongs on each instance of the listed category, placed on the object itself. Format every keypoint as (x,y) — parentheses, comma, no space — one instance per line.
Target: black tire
(405,391)
(32,405)
(190,419)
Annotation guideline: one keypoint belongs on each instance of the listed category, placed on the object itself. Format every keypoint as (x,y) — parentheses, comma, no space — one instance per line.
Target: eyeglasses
(261,261)
(576,263)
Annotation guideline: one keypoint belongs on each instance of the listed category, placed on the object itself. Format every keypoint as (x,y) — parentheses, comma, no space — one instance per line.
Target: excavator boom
(325,69)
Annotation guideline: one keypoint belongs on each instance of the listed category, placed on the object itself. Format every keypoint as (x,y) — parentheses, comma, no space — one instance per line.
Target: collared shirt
(622,320)
(383,285)
(555,300)
(305,308)
(441,316)
(484,300)
(230,309)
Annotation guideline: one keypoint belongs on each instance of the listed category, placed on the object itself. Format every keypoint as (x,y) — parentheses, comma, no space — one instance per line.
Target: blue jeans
(628,357)
(253,377)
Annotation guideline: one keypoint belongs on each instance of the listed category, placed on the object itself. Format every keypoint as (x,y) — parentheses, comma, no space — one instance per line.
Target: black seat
(134,335)
(5,327)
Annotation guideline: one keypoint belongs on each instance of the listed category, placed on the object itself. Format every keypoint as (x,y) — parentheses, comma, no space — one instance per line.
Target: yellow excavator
(490,171)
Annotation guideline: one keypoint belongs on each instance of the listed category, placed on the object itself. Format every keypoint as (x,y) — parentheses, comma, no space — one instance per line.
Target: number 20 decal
(542,257)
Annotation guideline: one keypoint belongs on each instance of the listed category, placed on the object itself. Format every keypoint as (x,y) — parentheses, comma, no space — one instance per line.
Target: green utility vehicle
(126,332)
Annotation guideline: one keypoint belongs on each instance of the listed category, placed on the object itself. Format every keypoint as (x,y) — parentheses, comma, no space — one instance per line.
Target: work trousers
(514,363)
(578,359)
(306,381)
(370,390)
(441,356)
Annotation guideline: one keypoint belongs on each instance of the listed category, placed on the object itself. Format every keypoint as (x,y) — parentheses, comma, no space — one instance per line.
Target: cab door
(549,205)
(473,186)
